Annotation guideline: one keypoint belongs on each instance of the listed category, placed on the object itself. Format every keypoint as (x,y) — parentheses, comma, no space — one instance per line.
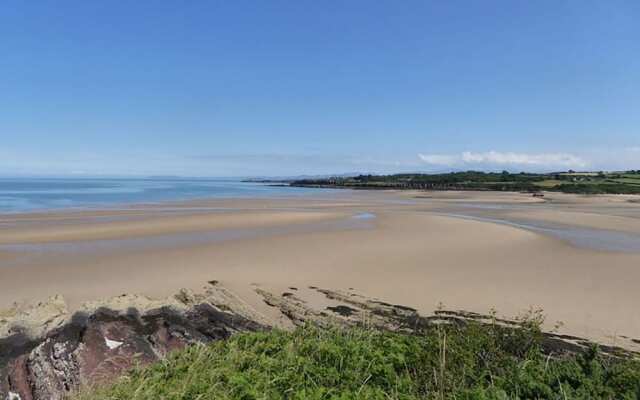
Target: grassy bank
(469,361)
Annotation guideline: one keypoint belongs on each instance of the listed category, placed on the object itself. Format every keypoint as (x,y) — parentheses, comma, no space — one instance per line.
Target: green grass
(465,362)
(548,183)
(633,181)
(598,188)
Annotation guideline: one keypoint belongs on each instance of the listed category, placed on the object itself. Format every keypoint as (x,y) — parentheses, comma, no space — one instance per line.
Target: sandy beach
(472,251)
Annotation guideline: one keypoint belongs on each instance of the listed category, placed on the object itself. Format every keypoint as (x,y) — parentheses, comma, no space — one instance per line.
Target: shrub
(468,361)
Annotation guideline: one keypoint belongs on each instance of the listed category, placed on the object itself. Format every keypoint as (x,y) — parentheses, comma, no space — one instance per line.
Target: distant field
(548,183)
(633,181)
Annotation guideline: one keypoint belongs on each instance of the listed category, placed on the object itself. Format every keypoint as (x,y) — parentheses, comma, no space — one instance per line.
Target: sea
(38,194)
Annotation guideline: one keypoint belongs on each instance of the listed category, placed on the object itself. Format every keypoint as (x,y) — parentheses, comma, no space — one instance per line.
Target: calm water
(584,237)
(31,194)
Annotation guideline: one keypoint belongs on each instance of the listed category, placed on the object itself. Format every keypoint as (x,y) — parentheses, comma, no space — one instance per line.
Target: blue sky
(236,88)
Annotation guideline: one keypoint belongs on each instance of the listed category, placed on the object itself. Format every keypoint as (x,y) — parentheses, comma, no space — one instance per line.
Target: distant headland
(624,182)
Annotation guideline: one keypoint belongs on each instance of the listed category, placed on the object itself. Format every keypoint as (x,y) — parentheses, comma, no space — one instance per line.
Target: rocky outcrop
(349,308)
(107,338)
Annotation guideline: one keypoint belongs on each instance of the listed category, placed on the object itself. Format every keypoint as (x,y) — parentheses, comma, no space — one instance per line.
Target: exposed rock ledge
(46,352)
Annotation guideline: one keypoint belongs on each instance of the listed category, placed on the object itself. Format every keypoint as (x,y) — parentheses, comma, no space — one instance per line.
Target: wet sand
(463,251)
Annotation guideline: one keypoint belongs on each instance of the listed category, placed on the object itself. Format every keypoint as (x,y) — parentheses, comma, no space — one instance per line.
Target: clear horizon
(277,88)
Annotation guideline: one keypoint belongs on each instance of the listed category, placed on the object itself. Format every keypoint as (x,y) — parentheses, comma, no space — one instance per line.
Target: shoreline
(407,254)
(55,195)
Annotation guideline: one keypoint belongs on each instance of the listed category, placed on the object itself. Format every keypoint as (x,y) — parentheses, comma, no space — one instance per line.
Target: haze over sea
(33,194)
